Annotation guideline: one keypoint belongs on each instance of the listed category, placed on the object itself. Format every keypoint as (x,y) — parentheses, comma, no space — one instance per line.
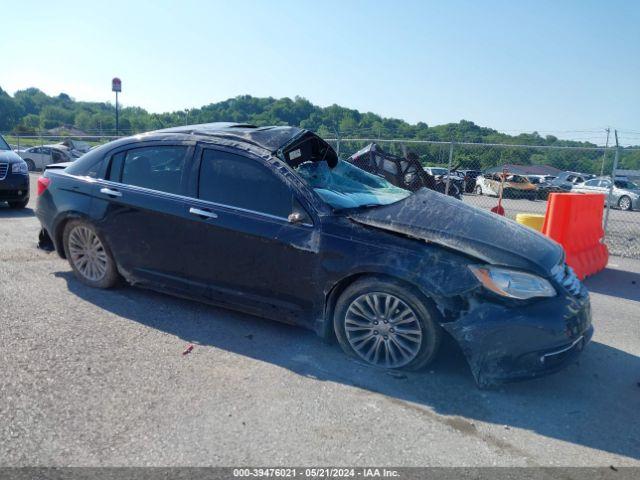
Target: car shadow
(6,212)
(615,283)
(591,403)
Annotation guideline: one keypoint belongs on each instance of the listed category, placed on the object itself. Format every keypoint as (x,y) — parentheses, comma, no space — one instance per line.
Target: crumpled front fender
(507,343)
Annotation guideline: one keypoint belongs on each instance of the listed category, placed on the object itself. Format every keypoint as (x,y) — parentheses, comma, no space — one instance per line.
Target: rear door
(242,245)
(140,208)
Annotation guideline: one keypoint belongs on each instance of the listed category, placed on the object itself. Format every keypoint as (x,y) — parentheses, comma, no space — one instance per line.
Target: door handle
(110,192)
(202,213)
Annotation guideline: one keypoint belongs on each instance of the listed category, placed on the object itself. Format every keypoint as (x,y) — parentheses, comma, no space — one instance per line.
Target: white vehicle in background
(37,158)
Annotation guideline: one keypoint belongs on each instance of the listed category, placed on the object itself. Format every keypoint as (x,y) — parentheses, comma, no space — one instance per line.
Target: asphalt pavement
(96,378)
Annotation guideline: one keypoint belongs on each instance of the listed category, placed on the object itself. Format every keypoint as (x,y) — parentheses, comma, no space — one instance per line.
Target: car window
(592,183)
(626,184)
(114,170)
(605,183)
(238,181)
(58,156)
(157,168)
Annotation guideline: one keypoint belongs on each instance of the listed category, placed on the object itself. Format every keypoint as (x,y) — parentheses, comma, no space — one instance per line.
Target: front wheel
(386,324)
(90,259)
(478,190)
(624,203)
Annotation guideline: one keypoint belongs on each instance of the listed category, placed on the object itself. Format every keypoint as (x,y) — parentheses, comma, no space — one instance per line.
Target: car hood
(9,156)
(440,219)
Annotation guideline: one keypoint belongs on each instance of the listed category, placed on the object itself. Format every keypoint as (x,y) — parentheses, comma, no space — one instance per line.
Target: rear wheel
(19,204)
(624,203)
(90,259)
(386,324)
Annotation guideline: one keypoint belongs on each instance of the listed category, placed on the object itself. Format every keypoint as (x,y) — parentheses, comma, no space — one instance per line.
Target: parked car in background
(14,177)
(469,179)
(625,194)
(566,180)
(270,221)
(544,186)
(515,186)
(39,157)
(442,174)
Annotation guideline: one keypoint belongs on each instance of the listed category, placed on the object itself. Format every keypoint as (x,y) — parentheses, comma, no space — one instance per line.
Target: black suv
(14,177)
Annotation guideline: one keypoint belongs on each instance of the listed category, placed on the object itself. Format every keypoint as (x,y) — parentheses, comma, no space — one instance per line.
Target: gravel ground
(97,378)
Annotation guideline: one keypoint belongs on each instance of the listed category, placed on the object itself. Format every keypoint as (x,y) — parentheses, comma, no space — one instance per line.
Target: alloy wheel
(625,203)
(383,330)
(87,253)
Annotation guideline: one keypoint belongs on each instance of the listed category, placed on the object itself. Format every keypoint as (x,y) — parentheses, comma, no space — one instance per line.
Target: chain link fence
(474,172)
(526,175)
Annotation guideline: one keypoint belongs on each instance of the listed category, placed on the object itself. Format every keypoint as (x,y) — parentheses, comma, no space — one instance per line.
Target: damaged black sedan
(269,221)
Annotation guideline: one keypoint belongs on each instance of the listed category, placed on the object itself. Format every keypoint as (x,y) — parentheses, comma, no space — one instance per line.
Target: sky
(567,68)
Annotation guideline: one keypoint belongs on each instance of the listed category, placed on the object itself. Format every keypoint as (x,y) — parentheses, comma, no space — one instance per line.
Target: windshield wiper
(359,207)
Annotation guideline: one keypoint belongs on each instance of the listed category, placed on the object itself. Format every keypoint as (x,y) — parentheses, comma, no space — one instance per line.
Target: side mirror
(295,217)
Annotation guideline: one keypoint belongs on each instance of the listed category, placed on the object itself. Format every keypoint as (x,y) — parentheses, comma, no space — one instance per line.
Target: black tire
(30,164)
(425,315)
(478,190)
(624,203)
(19,204)
(110,278)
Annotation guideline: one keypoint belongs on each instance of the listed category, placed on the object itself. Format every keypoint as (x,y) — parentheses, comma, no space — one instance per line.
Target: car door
(44,157)
(590,186)
(140,209)
(603,187)
(242,244)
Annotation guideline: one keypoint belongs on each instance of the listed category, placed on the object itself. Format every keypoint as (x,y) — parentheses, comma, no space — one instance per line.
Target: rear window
(157,168)
(87,166)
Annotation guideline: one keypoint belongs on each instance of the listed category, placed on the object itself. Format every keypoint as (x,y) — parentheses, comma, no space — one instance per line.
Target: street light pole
(116,86)
(117,116)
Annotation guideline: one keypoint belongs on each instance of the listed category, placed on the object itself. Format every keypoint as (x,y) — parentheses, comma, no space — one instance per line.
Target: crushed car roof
(270,138)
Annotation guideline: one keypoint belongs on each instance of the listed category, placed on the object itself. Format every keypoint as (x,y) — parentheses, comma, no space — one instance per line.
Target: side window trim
(107,159)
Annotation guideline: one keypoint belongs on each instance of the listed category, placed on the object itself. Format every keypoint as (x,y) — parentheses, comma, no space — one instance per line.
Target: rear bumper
(505,344)
(15,187)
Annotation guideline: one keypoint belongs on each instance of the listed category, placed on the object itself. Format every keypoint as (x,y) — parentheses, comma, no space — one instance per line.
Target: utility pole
(446,189)
(604,155)
(613,179)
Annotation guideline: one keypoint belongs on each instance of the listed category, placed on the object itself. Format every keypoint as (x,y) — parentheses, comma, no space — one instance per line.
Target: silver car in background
(39,157)
(625,194)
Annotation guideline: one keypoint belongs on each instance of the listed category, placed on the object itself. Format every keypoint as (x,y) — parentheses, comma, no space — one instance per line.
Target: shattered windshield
(347,186)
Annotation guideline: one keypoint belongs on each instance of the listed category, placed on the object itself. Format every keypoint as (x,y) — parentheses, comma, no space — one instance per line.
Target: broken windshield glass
(347,186)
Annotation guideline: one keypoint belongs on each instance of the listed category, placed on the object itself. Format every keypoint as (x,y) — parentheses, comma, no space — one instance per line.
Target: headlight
(511,283)
(20,167)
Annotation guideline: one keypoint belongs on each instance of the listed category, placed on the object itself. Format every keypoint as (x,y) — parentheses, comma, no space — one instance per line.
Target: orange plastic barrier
(574,220)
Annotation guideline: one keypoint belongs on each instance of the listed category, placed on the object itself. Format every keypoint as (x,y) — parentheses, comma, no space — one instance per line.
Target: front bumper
(14,188)
(504,343)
